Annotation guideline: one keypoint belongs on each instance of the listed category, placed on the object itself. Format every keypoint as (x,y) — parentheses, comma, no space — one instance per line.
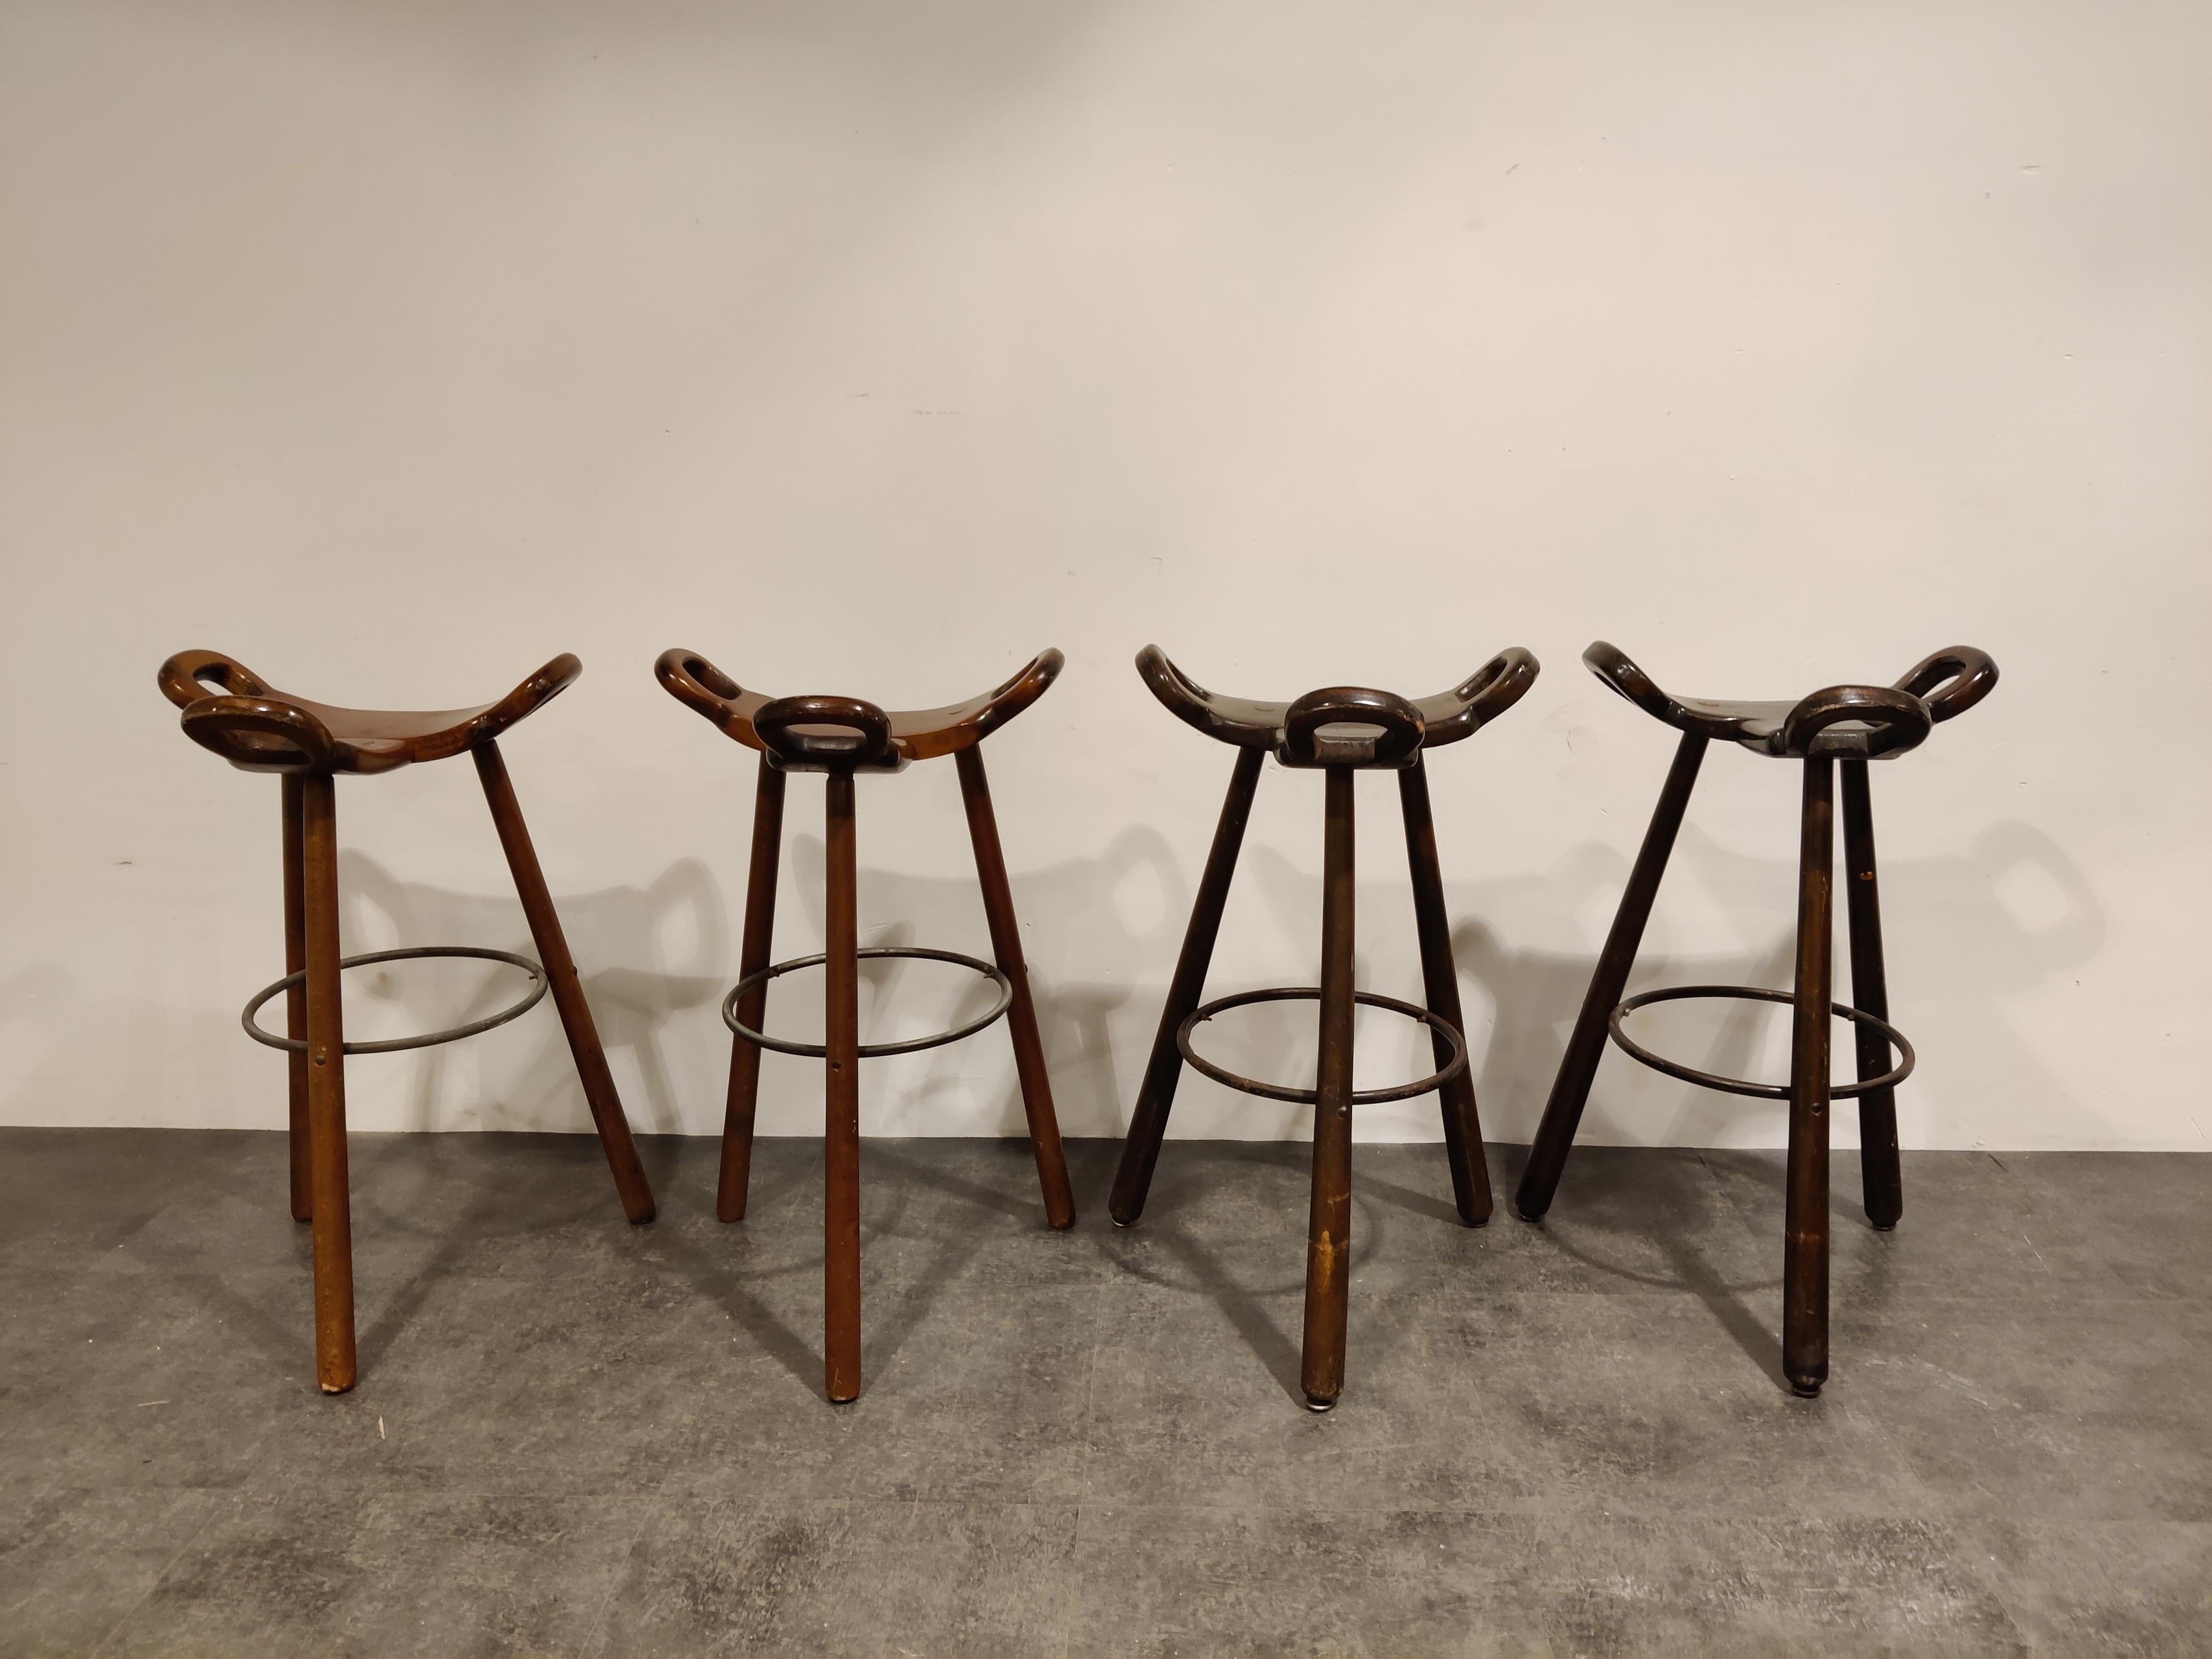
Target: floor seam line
(147,1595)
(622,1570)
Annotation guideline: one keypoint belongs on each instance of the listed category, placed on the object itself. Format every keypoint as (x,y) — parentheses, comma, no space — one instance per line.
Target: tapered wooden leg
(752,1007)
(1470,1173)
(841,1143)
(1148,1124)
(1021,1013)
(1563,1112)
(295,1000)
(567,990)
(326,1130)
(1805,1224)
(1329,1231)
(1882,1178)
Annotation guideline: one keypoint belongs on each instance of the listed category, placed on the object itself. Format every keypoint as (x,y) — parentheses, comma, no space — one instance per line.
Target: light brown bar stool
(840,737)
(229,709)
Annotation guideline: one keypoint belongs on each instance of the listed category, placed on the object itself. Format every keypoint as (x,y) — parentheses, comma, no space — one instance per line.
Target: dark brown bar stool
(840,736)
(1853,724)
(1338,731)
(229,709)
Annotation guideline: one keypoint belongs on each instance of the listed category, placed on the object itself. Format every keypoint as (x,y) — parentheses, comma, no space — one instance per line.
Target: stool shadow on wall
(1073,908)
(609,932)
(1965,935)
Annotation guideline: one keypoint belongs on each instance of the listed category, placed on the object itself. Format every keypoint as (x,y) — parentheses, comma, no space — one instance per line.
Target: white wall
(870,347)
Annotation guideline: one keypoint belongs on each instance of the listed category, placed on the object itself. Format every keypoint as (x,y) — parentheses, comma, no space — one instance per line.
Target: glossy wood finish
(1882,1176)
(295,1000)
(233,711)
(753,955)
(1805,1221)
(1339,731)
(892,737)
(1444,718)
(568,989)
(1849,725)
(1867,721)
(335,1368)
(1328,1228)
(840,737)
(229,709)
(841,1364)
(1148,1124)
(1470,1172)
(1563,1112)
(1021,1013)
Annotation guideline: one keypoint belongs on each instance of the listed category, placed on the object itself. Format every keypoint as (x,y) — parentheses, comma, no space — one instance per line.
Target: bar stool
(229,709)
(1852,724)
(1337,731)
(840,737)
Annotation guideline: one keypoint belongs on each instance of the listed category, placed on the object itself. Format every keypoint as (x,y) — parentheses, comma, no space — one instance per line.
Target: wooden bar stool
(231,710)
(1852,724)
(1337,731)
(840,737)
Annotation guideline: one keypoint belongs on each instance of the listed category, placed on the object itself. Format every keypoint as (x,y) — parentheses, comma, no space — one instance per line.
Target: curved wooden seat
(822,734)
(1344,725)
(1866,720)
(1336,731)
(1835,732)
(231,710)
(839,737)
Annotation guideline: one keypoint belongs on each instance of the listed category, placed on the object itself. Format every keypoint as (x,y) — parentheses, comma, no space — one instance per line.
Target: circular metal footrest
(868,1050)
(1200,1015)
(393,1045)
(1737,1086)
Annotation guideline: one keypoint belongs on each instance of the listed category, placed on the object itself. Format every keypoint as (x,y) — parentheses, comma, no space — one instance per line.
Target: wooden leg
(1021,1014)
(567,990)
(1328,1229)
(1563,1112)
(841,1143)
(1883,1179)
(1148,1125)
(295,1000)
(1805,1224)
(1440,976)
(327,1138)
(752,1007)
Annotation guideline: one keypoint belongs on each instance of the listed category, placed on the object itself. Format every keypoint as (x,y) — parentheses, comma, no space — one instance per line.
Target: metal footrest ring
(1205,1012)
(868,1050)
(1737,1086)
(393,1045)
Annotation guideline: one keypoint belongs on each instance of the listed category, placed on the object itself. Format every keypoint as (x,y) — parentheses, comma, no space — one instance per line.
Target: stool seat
(1343,726)
(1870,721)
(822,733)
(258,728)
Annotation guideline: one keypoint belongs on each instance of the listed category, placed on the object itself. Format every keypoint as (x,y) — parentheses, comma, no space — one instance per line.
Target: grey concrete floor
(573,1435)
